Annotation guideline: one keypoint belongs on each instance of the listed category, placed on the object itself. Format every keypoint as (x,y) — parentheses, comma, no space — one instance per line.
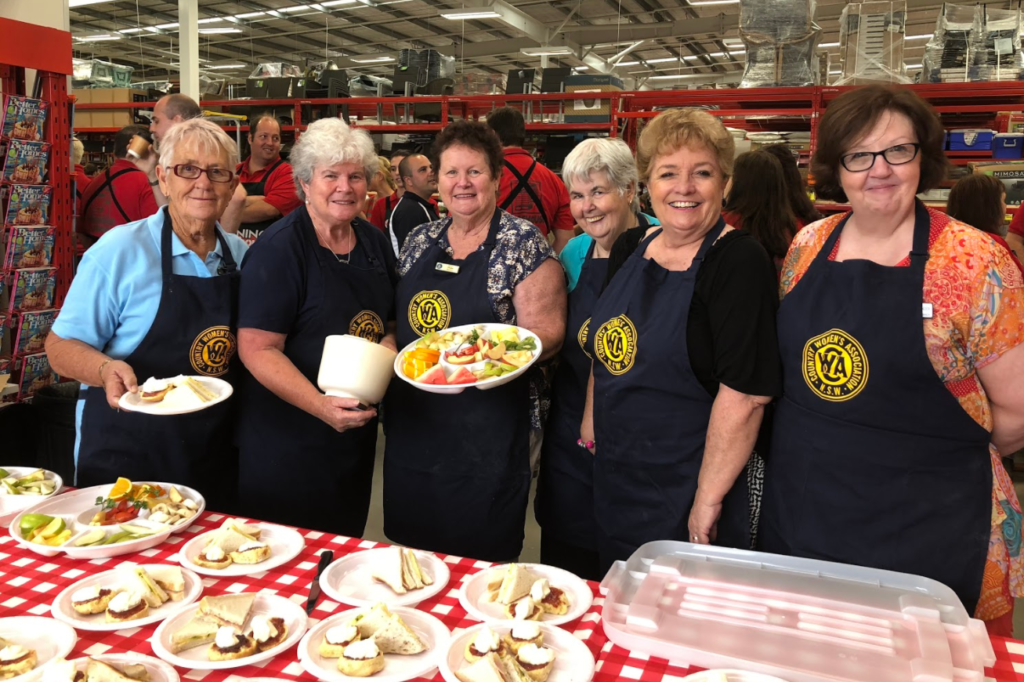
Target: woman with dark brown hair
(901,333)
(980,201)
(757,203)
(796,189)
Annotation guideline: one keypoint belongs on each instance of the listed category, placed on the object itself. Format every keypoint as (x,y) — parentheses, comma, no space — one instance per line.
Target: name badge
(447,267)
(926,311)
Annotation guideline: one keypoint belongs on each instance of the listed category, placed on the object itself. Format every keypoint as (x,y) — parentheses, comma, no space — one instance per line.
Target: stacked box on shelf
(947,54)
(1009,173)
(479,84)
(780,37)
(871,42)
(108,118)
(590,110)
(996,51)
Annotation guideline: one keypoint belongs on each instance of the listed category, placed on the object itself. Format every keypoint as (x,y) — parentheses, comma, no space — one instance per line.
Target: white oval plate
(12,505)
(396,668)
(285,544)
(172,404)
(473,594)
(157,669)
(573,660)
(722,675)
(51,640)
(195,658)
(63,610)
(349,580)
(482,385)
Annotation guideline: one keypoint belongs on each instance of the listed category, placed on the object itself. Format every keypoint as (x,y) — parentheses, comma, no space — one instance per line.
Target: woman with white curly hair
(320,270)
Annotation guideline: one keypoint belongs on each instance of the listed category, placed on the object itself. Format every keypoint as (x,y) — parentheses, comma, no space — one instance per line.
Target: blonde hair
(385,170)
(77,150)
(677,128)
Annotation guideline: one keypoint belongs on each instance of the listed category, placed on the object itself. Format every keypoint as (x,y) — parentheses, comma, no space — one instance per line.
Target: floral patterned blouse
(977,294)
(519,249)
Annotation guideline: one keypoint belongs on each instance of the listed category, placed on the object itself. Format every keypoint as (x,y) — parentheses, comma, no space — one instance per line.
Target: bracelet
(588,444)
(102,365)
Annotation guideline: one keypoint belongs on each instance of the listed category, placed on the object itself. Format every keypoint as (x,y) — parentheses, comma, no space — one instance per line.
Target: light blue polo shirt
(574,254)
(115,295)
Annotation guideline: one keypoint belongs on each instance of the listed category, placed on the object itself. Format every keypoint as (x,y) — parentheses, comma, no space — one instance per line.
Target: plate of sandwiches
(126,597)
(129,667)
(176,395)
(29,644)
(389,645)
(523,651)
(396,576)
(525,592)
(229,631)
(240,548)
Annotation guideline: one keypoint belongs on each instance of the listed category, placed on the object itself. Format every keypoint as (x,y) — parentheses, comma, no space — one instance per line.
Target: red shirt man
(1015,234)
(528,189)
(267,180)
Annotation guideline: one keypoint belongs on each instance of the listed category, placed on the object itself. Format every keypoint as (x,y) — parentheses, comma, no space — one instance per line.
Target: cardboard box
(108,118)
(1010,174)
(590,110)
(871,42)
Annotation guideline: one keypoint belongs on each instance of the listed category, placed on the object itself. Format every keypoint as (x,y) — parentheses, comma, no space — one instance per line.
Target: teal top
(575,252)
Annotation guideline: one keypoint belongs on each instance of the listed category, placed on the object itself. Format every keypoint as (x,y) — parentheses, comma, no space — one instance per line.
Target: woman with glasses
(901,332)
(158,298)
(306,459)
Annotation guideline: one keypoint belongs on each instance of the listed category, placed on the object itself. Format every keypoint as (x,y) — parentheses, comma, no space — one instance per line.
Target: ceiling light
(660,60)
(98,38)
(477,14)
(225,66)
(335,3)
(580,68)
(545,50)
(152,29)
(633,63)
(926,36)
(212,20)
(373,60)
(82,3)
(132,30)
(828,44)
(210,31)
(694,3)
(250,15)
(691,57)
(733,42)
(737,51)
(914,66)
(296,8)
(166,26)
(677,76)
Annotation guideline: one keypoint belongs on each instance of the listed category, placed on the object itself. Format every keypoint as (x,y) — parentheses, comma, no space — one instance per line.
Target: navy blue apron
(456,467)
(294,467)
(250,232)
(874,462)
(565,489)
(651,413)
(193,333)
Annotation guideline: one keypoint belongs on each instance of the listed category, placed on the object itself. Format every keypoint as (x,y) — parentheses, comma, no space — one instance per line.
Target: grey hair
(327,142)
(603,154)
(205,134)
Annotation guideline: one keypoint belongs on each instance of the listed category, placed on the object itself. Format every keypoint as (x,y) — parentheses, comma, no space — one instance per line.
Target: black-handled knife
(326,557)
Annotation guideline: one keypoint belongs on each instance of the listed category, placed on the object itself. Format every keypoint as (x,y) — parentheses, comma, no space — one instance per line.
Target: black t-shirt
(411,211)
(731,326)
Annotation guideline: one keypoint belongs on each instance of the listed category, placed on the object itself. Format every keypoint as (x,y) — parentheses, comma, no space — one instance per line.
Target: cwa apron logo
(367,325)
(429,311)
(212,351)
(582,337)
(615,344)
(835,366)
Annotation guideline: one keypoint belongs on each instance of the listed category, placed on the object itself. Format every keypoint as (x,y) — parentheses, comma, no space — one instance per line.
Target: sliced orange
(120,489)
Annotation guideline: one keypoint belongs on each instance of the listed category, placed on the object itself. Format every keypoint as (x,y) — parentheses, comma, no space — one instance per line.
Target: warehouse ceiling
(682,42)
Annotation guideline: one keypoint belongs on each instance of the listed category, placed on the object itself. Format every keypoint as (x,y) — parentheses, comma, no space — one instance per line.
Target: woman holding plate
(456,467)
(158,298)
(306,459)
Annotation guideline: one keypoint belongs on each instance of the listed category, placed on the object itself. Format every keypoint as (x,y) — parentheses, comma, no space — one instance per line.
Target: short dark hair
(405,168)
(510,126)
(182,105)
(124,137)
(90,169)
(974,200)
(758,197)
(855,112)
(474,135)
(799,203)
(259,119)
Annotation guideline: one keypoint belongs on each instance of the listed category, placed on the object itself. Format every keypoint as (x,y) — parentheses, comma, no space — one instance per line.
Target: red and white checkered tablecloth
(29,583)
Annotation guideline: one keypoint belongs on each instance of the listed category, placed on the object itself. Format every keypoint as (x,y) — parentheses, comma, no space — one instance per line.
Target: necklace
(343,261)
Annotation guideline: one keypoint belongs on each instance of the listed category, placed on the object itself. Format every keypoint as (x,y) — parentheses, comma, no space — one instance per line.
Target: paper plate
(12,505)
(50,639)
(196,658)
(473,594)
(157,669)
(180,400)
(285,544)
(573,660)
(396,668)
(349,580)
(63,610)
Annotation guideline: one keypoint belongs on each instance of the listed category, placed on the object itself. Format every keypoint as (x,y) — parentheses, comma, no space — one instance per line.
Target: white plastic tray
(797,619)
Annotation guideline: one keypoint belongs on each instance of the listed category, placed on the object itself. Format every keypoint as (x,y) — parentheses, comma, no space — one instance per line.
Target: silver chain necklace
(348,256)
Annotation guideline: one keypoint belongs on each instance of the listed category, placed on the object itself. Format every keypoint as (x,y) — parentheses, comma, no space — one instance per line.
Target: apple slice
(496,352)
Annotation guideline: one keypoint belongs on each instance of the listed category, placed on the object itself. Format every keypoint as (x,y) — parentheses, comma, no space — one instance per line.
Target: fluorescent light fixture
(828,44)
(660,60)
(335,3)
(694,3)
(914,66)
(373,60)
(471,14)
(737,51)
(691,57)
(678,76)
(212,20)
(250,15)
(82,3)
(626,64)
(137,29)
(166,26)
(295,8)
(210,31)
(152,29)
(580,68)
(925,36)
(545,50)
(98,38)
(225,66)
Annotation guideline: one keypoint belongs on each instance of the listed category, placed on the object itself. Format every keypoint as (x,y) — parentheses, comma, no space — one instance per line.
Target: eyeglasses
(897,155)
(190,172)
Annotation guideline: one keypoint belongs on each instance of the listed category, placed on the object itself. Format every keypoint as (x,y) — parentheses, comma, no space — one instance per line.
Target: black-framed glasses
(190,172)
(897,155)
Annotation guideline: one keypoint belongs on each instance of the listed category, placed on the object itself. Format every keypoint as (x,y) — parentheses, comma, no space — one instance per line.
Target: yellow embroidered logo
(429,311)
(835,366)
(212,351)
(367,325)
(615,344)
(582,336)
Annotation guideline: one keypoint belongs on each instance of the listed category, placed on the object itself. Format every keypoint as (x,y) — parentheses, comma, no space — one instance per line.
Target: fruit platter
(107,520)
(23,487)
(482,356)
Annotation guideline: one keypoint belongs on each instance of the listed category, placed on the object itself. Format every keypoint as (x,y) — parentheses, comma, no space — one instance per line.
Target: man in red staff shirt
(267,179)
(1015,234)
(120,195)
(528,189)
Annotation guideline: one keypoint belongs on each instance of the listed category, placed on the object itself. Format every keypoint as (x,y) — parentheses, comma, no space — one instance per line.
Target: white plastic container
(353,367)
(798,619)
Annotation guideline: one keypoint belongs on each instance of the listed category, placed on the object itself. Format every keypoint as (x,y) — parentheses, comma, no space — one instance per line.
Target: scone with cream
(537,661)
(361,659)
(525,609)
(16,660)
(522,633)
(89,601)
(251,553)
(230,644)
(127,606)
(267,631)
(213,557)
(485,642)
(337,638)
(551,599)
